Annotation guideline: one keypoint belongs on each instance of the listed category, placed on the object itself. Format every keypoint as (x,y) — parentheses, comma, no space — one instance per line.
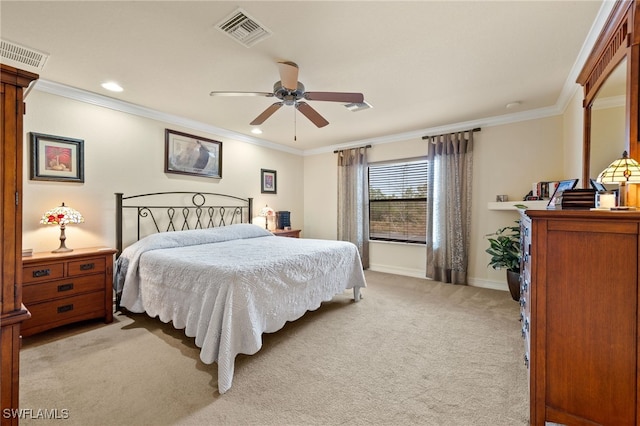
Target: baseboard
(494,285)
(416,273)
(419,273)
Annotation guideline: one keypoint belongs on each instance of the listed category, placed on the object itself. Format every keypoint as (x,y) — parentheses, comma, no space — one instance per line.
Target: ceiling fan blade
(266,94)
(266,113)
(355,98)
(311,114)
(288,75)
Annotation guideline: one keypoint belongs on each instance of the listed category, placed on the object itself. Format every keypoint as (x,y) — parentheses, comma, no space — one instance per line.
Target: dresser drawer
(34,293)
(46,272)
(86,266)
(64,311)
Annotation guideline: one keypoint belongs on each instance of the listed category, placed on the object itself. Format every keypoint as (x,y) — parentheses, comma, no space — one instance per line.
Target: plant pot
(513,281)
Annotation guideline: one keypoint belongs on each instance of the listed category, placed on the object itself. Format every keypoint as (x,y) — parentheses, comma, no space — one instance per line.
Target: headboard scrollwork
(177,211)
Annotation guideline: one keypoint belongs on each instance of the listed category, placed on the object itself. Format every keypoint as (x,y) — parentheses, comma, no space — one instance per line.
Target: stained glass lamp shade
(61,215)
(622,171)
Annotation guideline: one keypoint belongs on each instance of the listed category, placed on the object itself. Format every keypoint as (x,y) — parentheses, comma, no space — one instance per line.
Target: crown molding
(498,120)
(129,108)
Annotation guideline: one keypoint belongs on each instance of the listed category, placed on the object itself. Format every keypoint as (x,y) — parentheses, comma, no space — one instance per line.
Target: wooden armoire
(12,311)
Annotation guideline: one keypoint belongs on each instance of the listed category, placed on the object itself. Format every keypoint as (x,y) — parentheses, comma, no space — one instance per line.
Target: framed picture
(268,181)
(192,155)
(556,198)
(598,186)
(56,158)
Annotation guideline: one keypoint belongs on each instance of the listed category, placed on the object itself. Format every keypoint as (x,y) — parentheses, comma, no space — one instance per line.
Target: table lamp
(267,212)
(622,171)
(61,215)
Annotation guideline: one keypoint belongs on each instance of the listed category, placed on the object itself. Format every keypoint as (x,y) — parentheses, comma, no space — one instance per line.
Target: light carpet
(411,352)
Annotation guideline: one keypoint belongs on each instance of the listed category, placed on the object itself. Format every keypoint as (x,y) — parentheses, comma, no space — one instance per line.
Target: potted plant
(504,248)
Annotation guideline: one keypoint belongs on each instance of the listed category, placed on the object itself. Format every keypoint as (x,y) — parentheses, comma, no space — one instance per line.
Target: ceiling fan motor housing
(289,97)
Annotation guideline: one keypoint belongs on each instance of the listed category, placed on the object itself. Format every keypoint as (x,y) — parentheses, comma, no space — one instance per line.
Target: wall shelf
(511,205)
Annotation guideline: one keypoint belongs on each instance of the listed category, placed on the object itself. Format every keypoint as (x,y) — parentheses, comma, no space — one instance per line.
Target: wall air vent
(22,57)
(355,107)
(243,28)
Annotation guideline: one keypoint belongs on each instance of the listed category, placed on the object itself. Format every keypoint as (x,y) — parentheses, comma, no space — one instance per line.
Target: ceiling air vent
(22,57)
(243,28)
(355,107)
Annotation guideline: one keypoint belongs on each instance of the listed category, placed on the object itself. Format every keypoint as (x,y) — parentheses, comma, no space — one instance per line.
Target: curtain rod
(477,129)
(355,147)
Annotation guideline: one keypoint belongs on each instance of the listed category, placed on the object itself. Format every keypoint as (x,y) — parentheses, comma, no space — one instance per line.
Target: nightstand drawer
(86,266)
(63,311)
(34,293)
(62,288)
(34,274)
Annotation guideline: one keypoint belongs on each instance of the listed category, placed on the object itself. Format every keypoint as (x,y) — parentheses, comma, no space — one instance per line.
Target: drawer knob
(87,266)
(41,273)
(65,308)
(65,287)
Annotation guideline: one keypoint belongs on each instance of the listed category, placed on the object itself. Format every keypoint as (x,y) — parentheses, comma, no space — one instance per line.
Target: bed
(220,278)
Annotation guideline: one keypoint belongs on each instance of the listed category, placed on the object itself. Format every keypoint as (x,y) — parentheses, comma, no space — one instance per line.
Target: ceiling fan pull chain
(295,123)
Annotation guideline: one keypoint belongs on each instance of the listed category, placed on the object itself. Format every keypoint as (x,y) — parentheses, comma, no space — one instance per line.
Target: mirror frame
(618,39)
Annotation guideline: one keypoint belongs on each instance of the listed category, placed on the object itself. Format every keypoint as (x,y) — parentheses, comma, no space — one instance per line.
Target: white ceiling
(422,65)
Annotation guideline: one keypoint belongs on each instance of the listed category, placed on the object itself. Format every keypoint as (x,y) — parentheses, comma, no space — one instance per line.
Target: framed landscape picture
(192,155)
(56,158)
(268,181)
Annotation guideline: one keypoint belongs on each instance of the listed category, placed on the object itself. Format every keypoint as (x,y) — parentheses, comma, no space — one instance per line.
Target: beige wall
(507,160)
(125,153)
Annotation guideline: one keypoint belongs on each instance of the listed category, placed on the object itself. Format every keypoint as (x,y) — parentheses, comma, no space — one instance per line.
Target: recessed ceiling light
(112,86)
(514,104)
(256,131)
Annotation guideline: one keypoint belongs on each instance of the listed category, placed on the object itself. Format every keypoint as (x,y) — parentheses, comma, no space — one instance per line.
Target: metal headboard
(195,210)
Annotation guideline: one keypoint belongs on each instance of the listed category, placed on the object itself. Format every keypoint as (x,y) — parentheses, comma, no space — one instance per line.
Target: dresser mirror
(610,96)
(608,121)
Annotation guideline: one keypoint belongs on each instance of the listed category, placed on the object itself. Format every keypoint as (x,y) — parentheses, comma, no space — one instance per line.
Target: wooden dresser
(62,288)
(579,306)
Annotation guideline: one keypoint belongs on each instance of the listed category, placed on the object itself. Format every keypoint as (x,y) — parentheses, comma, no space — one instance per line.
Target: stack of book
(544,189)
(27,252)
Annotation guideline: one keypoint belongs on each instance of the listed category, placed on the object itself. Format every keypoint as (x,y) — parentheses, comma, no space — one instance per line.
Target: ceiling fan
(291,92)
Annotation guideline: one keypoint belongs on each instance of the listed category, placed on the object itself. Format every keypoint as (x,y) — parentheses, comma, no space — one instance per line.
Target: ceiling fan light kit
(290,92)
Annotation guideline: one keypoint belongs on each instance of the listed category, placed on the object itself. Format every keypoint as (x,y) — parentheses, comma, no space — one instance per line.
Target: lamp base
(63,248)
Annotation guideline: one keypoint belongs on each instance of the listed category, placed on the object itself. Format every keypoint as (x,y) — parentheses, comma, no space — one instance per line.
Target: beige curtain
(353,200)
(449,206)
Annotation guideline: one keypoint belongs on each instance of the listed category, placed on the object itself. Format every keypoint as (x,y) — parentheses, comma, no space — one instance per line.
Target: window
(398,201)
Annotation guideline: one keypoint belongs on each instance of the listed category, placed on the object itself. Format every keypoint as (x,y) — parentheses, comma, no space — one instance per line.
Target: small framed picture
(556,199)
(192,155)
(56,158)
(268,181)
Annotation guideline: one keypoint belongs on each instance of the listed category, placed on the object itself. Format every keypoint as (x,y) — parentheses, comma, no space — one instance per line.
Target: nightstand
(291,233)
(62,288)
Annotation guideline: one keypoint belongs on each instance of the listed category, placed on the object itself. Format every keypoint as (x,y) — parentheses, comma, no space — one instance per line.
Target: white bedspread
(227,286)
